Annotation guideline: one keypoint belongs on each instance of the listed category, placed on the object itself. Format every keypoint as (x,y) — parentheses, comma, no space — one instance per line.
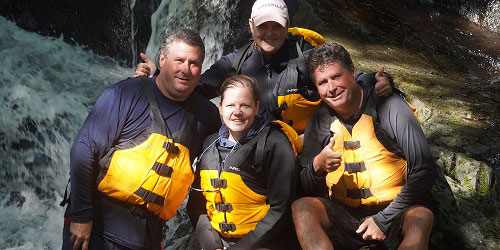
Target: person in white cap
(278,64)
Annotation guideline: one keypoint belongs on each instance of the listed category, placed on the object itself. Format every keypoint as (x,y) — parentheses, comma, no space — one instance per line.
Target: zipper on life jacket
(268,88)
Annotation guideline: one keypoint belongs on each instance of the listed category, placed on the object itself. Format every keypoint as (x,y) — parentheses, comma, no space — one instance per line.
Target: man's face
(268,36)
(180,70)
(337,86)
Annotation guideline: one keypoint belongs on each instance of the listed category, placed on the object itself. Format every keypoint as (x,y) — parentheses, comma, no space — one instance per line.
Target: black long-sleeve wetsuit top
(277,180)
(401,126)
(120,114)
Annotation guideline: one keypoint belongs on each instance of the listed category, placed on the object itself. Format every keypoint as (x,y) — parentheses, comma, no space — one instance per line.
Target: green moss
(483,186)
(467,183)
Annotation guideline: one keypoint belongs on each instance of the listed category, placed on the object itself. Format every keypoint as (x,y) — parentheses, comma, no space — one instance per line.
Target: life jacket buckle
(162,169)
(171,147)
(352,144)
(224,207)
(227,227)
(218,183)
(354,167)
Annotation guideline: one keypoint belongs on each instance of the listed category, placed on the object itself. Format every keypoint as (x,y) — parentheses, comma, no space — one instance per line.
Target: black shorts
(345,221)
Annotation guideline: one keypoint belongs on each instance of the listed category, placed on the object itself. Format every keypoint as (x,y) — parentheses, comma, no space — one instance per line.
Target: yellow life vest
(233,208)
(369,174)
(153,170)
(296,109)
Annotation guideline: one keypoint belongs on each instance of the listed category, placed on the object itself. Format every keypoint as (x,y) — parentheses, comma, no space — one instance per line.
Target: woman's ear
(258,106)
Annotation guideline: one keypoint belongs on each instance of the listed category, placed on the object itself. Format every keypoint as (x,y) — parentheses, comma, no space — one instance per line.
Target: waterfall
(133,32)
(209,18)
(47,89)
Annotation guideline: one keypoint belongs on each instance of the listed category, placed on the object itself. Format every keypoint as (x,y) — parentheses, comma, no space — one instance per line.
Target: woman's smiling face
(238,108)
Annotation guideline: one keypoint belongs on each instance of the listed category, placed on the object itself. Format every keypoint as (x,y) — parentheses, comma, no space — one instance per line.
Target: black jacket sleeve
(280,167)
(401,125)
(212,78)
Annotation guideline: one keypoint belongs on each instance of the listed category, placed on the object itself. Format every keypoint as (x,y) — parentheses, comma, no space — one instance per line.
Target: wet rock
(475,175)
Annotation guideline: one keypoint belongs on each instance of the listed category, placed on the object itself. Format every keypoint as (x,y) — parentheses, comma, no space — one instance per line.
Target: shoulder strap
(259,149)
(189,123)
(241,56)
(157,121)
(380,133)
(301,61)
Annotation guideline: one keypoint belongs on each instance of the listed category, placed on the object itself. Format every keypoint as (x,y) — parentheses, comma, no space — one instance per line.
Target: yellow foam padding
(310,36)
(299,110)
(385,174)
(292,136)
(248,207)
(130,169)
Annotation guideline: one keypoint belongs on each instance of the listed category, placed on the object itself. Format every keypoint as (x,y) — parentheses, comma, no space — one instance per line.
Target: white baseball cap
(270,10)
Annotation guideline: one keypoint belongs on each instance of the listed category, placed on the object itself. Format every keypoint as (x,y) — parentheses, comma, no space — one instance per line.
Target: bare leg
(417,226)
(310,218)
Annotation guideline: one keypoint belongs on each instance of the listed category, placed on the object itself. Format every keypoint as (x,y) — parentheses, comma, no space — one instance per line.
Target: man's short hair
(328,53)
(187,36)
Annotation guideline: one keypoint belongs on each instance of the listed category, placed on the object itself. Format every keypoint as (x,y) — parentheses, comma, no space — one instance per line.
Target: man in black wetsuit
(119,130)
(374,159)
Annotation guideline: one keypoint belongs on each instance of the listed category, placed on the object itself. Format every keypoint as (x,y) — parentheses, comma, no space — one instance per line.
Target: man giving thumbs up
(378,168)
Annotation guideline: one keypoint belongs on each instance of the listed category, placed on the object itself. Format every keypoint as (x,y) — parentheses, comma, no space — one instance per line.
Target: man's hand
(327,160)
(383,86)
(371,230)
(80,235)
(147,68)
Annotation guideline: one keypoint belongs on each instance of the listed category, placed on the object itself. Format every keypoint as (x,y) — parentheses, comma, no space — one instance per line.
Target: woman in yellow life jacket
(246,177)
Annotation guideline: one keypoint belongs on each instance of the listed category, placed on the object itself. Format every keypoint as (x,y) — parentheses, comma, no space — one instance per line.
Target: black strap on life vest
(150,196)
(241,56)
(259,148)
(354,167)
(352,144)
(227,227)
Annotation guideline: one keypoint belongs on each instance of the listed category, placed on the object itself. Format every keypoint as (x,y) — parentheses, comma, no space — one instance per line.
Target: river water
(47,88)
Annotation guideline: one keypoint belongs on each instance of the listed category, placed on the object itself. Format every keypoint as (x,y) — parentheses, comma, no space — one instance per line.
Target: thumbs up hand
(327,160)
(383,86)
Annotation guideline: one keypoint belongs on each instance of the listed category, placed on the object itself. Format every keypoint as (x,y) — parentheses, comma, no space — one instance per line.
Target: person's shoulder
(129,85)
(394,103)
(210,139)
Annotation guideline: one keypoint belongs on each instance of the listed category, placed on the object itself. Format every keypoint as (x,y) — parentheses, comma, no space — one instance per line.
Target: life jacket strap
(352,144)
(359,193)
(162,169)
(171,147)
(354,167)
(227,227)
(224,207)
(150,196)
(218,183)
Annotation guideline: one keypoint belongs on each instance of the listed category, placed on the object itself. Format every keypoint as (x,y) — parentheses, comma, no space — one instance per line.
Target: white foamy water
(47,88)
